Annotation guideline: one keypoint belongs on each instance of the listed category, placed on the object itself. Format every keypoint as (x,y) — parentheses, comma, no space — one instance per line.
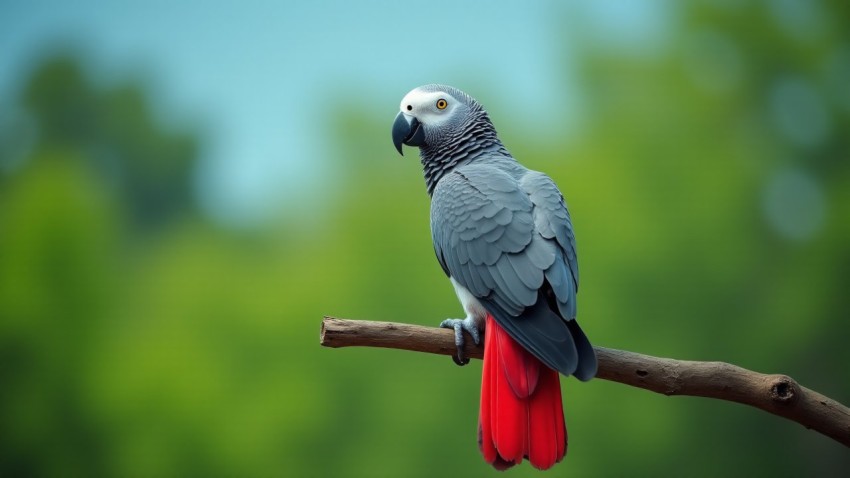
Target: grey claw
(459,325)
(458,360)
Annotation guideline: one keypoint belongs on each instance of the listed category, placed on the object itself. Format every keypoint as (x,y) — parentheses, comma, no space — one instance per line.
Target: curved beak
(407,130)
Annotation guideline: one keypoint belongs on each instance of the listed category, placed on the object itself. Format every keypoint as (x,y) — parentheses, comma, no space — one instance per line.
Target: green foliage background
(138,338)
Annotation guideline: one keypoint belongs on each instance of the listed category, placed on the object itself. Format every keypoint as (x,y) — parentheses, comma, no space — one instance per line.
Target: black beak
(407,130)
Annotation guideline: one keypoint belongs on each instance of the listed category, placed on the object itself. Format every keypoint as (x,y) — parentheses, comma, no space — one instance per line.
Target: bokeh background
(186,189)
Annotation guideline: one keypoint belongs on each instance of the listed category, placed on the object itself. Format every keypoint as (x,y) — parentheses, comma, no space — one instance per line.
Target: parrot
(503,236)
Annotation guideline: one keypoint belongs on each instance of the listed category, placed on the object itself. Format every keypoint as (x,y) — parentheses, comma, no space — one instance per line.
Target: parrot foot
(459,325)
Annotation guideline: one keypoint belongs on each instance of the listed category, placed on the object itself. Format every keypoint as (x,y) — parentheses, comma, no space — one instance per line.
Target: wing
(501,239)
(552,222)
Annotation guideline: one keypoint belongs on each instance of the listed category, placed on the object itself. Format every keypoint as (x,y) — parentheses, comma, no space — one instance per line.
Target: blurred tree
(99,162)
(144,163)
(723,150)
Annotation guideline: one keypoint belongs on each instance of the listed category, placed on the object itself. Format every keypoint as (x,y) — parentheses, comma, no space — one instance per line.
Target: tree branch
(776,394)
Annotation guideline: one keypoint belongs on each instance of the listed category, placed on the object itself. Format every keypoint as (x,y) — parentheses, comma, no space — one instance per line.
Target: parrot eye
(441,104)
(409,107)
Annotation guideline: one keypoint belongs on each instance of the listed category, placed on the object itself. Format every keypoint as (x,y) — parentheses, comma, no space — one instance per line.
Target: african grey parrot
(502,234)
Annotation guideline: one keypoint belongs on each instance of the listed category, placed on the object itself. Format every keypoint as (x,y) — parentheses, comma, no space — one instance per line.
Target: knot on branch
(783,389)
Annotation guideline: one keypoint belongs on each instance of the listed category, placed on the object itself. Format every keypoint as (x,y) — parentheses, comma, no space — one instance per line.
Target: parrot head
(432,114)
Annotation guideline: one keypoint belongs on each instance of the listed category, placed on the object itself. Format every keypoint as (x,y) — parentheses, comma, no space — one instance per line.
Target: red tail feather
(521,414)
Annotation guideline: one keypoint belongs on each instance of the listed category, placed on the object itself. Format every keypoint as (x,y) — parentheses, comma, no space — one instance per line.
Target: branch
(776,394)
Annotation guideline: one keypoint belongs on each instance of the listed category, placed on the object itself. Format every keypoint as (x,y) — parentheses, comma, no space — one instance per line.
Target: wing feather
(507,238)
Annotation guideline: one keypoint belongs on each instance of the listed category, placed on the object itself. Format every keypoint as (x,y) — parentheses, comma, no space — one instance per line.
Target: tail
(521,414)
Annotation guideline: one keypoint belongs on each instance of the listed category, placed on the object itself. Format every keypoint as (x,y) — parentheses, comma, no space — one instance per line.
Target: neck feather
(477,138)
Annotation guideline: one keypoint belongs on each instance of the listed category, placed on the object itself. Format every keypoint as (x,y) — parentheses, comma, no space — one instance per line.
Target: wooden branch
(776,394)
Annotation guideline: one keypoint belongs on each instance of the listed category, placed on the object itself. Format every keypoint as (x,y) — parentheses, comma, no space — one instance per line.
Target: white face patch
(426,106)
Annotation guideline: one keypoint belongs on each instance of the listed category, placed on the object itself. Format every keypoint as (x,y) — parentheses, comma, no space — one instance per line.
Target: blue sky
(257,76)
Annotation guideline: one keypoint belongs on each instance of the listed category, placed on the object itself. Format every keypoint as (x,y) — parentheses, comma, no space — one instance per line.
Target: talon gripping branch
(502,234)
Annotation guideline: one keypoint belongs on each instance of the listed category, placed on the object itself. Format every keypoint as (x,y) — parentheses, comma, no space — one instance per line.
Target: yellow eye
(441,104)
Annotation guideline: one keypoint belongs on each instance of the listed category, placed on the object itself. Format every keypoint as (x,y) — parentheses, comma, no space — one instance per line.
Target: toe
(476,335)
